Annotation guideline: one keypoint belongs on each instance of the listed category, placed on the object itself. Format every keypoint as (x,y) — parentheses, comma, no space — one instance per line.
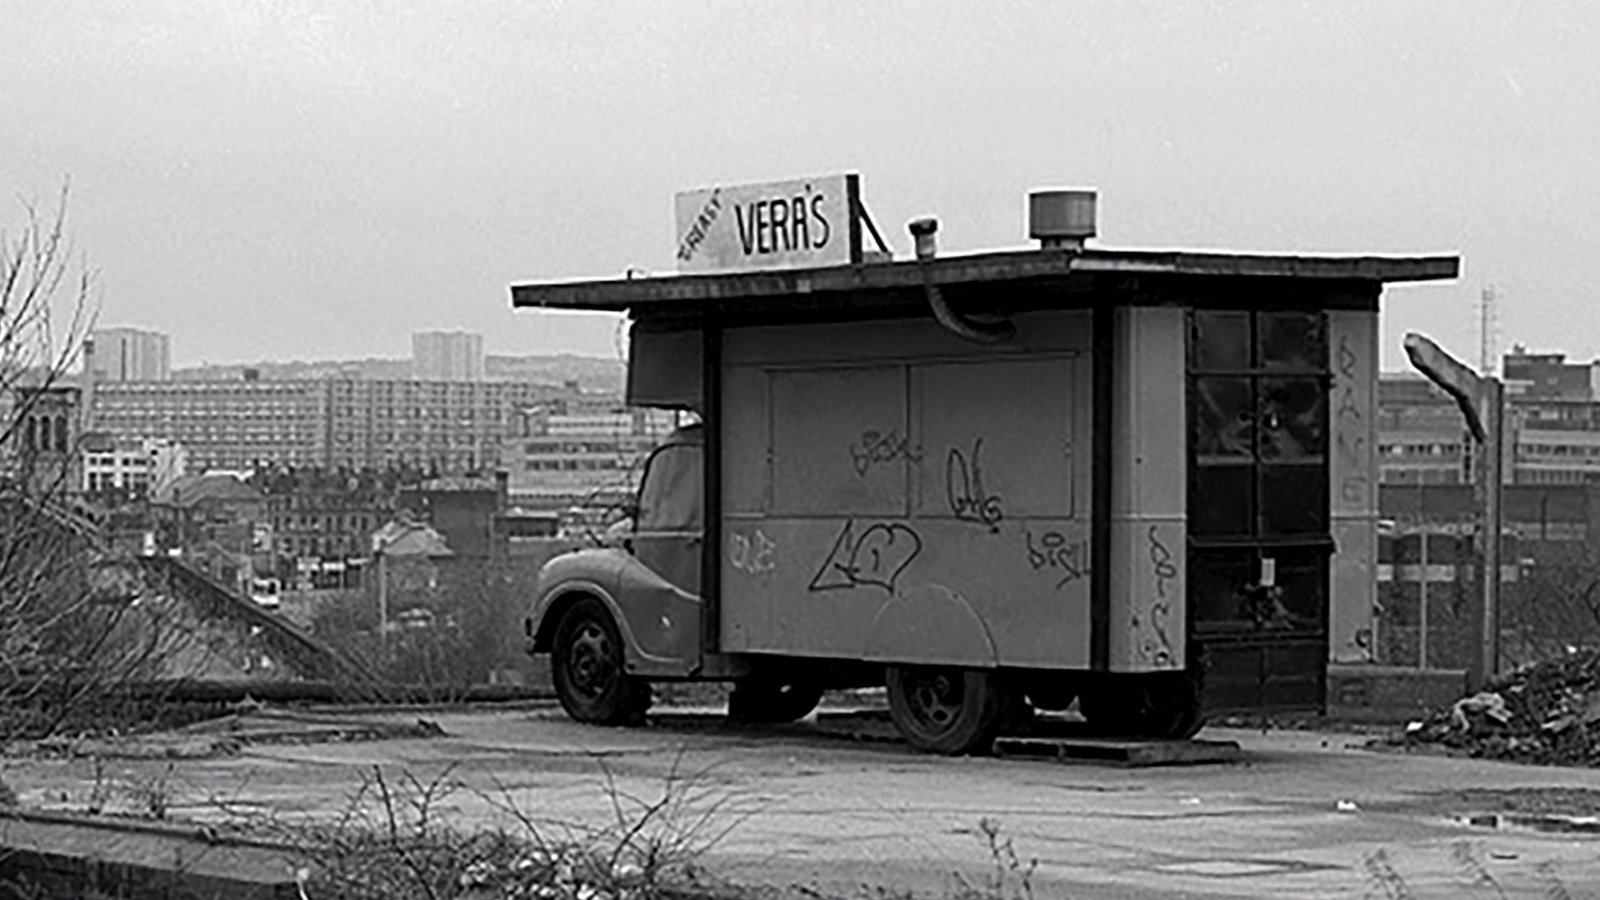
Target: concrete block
(1365,693)
(53,855)
(1130,753)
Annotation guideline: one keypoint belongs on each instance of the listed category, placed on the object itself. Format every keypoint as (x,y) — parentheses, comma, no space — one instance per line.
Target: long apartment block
(356,424)
(1552,418)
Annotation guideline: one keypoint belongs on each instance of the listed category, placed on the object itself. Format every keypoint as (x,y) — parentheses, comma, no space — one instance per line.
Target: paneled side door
(1259,537)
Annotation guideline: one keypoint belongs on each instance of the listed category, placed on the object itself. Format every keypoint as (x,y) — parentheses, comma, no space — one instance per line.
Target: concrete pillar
(1353,485)
(1149,491)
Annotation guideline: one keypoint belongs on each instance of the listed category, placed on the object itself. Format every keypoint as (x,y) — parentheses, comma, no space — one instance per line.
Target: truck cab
(617,616)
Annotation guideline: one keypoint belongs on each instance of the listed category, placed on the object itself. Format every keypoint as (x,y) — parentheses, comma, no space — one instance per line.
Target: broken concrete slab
(56,855)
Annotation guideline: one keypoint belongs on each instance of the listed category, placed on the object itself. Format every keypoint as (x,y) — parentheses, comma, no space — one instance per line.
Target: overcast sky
(291,180)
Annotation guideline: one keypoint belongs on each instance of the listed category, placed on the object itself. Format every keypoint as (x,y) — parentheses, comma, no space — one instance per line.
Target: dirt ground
(838,807)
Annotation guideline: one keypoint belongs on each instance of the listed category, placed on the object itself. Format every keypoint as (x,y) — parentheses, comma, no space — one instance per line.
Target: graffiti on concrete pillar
(1350,426)
(1159,583)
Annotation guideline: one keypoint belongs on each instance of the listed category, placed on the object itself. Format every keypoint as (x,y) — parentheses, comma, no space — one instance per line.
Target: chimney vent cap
(1059,218)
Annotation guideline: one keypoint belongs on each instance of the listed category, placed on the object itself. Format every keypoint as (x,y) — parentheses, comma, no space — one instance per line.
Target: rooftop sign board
(794,224)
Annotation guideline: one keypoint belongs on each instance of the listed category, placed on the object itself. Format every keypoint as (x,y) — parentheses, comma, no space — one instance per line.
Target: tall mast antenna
(1486,328)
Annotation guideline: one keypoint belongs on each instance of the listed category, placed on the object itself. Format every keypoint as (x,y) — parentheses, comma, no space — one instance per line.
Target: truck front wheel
(587,667)
(949,710)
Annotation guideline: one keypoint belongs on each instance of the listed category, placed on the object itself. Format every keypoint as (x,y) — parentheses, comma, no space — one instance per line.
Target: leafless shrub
(152,794)
(1466,859)
(1553,887)
(1008,878)
(76,623)
(395,838)
(1383,876)
(44,584)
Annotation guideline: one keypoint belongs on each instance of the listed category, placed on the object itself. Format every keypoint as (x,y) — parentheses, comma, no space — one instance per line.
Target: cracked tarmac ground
(1303,814)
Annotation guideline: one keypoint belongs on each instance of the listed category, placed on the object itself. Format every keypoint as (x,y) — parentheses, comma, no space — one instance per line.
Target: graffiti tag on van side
(753,553)
(875,559)
(963,483)
(1052,550)
(878,447)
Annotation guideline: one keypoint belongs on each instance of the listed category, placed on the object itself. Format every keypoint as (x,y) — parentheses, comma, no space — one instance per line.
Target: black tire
(948,710)
(586,664)
(1185,723)
(1164,707)
(771,701)
(1173,707)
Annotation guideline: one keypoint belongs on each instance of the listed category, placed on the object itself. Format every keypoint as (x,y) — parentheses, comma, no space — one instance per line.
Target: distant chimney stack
(90,380)
(1061,219)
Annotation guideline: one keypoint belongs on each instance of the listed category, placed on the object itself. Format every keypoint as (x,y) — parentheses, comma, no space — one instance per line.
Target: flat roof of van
(624,294)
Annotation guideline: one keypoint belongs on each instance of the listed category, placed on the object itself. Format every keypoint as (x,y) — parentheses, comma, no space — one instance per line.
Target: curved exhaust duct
(922,231)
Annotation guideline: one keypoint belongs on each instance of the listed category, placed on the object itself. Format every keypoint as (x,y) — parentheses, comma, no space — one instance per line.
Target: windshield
(672,498)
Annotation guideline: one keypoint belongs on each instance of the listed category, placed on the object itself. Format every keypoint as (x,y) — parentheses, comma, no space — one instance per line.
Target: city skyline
(399,355)
(279,181)
(408,359)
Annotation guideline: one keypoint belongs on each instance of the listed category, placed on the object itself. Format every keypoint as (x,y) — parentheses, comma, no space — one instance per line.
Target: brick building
(318,516)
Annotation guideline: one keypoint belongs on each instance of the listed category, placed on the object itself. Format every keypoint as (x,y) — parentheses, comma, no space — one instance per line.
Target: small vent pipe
(922,235)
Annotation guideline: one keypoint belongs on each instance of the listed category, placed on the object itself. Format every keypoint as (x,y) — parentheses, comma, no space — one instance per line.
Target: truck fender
(932,625)
(547,611)
(553,606)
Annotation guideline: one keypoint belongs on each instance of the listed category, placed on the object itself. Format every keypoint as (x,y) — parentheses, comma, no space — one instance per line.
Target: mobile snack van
(1144,481)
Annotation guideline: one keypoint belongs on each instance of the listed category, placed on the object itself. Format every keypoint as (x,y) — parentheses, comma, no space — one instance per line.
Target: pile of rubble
(1546,713)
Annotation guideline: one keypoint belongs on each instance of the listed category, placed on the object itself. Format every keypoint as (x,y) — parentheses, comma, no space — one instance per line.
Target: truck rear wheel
(1173,707)
(772,701)
(587,665)
(948,710)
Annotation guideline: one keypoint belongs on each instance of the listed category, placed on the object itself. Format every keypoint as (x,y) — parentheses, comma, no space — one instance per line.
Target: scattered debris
(1544,824)
(1486,703)
(1545,713)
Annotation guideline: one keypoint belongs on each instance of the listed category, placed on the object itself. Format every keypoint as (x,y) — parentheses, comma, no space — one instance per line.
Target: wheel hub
(936,699)
(590,662)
